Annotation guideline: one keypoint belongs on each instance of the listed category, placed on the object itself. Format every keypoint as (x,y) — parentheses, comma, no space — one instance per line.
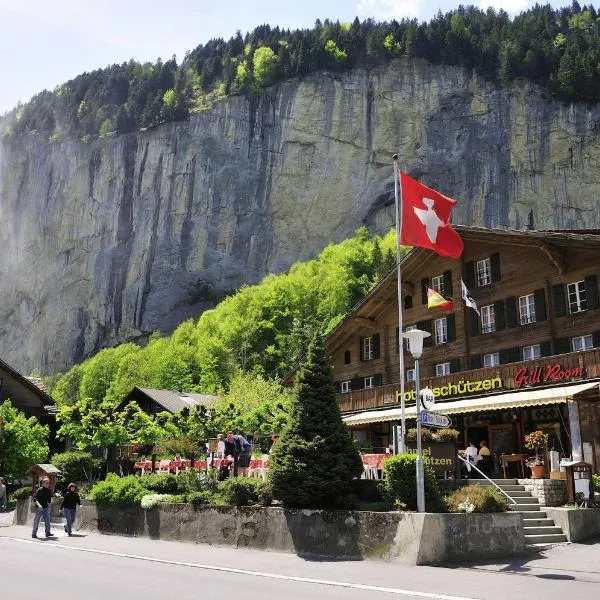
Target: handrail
(472,465)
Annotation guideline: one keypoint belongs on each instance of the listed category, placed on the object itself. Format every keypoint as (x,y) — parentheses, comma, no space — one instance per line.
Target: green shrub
(240,491)
(400,483)
(23,492)
(161,483)
(199,498)
(596,482)
(474,498)
(115,490)
(265,493)
(367,490)
(194,481)
(75,465)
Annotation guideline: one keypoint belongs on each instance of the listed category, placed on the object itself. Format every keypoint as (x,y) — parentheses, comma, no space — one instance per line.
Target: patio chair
(164,466)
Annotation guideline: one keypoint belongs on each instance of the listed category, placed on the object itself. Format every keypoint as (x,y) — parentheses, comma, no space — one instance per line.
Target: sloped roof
(46,467)
(27,381)
(175,401)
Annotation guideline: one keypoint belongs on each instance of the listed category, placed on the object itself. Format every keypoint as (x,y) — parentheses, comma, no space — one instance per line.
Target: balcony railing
(385,395)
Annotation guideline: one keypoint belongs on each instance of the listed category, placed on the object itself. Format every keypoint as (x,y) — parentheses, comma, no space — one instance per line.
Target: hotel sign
(460,388)
(550,373)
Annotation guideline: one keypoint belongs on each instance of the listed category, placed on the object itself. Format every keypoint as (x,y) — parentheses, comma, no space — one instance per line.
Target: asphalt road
(110,567)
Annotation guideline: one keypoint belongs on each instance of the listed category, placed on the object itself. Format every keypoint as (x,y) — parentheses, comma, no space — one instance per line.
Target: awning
(553,395)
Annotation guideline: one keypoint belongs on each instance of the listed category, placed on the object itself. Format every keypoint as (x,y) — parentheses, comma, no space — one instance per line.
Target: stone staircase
(540,531)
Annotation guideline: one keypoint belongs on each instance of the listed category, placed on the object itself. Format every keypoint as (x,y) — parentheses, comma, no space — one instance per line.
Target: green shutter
(591,292)
(469,275)
(511,312)
(448,283)
(560,300)
(539,297)
(499,315)
(495,266)
(376,346)
(451,327)
(476,361)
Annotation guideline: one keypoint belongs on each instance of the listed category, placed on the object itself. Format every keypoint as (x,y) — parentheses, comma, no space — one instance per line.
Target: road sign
(427,398)
(435,420)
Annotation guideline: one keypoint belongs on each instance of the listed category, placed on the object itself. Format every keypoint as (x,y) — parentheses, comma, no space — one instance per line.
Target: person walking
(42,499)
(3,497)
(69,506)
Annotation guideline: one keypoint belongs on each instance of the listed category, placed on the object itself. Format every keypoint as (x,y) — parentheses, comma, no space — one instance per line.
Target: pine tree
(314,462)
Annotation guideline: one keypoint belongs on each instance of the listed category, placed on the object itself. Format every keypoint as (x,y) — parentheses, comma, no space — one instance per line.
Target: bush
(400,483)
(367,490)
(474,498)
(23,492)
(199,498)
(115,490)
(596,482)
(241,491)
(161,483)
(194,481)
(76,466)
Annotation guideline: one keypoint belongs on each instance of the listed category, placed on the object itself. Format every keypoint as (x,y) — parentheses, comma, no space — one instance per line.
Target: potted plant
(536,441)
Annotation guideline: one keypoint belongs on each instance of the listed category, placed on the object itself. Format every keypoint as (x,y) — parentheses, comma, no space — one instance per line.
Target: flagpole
(398,198)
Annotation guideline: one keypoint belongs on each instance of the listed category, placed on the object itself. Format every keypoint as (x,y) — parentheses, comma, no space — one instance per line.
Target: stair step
(527,500)
(538,547)
(518,493)
(500,484)
(542,530)
(529,513)
(525,508)
(545,538)
(535,522)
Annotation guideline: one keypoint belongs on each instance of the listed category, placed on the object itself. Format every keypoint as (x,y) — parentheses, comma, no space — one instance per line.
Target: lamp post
(415,339)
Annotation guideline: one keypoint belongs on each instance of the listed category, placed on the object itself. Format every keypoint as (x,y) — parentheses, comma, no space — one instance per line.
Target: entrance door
(503,439)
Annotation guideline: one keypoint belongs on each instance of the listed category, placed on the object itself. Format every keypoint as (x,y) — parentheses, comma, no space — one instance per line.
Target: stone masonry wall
(550,492)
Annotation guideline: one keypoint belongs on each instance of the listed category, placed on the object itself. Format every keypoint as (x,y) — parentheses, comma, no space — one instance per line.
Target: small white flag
(466,296)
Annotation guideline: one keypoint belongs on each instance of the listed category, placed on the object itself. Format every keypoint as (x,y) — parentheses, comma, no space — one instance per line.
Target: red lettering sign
(548,373)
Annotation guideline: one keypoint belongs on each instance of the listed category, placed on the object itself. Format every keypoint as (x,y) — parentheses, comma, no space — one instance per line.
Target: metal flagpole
(398,197)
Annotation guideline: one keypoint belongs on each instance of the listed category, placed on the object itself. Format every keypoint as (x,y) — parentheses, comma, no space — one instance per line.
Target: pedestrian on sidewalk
(69,506)
(42,499)
(3,498)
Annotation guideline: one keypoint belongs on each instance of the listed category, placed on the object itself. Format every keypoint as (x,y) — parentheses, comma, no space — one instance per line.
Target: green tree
(23,441)
(315,461)
(264,65)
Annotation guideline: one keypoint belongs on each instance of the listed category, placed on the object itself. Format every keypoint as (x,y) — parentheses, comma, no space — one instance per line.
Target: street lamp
(415,339)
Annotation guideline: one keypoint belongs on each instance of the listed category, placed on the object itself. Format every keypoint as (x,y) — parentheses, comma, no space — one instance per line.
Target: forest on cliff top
(556,49)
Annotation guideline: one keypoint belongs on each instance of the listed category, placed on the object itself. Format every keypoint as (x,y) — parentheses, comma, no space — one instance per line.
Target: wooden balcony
(579,366)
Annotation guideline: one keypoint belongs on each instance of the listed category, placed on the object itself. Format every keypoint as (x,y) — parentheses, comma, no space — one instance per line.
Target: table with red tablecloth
(184,464)
(375,461)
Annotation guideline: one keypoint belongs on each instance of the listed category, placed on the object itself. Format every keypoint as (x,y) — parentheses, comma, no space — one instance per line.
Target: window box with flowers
(536,441)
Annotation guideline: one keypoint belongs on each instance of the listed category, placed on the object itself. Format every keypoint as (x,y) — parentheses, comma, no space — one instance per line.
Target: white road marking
(342,584)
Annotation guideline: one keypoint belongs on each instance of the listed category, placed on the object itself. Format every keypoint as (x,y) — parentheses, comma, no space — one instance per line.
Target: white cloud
(385,10)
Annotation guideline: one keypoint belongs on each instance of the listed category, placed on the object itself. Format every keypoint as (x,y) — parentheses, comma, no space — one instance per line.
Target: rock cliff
(110,240)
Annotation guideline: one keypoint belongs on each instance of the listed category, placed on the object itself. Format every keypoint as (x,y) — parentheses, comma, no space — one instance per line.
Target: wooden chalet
(153,401)
(529,360)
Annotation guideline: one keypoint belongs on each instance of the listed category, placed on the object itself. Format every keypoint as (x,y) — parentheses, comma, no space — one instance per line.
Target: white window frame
(491,359)
(532,352)
(440,328)
(368,348)
(369,382)
(437,284)
(483,271)
(577,297)
(527,309)
(442,369)
(410,375)
(346,386)
(585,342)
(406,340)
(488,319)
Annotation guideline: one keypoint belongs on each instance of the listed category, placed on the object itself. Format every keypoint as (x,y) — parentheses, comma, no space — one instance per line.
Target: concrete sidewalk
(6,518)
(574,562)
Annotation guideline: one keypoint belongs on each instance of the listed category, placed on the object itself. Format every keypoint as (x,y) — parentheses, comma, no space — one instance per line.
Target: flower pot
(538,472)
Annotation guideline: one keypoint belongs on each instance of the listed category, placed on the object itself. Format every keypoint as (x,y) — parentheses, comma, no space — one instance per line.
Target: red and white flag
(426,219)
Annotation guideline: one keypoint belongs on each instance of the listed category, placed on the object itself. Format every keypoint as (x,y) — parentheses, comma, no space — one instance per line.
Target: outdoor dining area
(258,467)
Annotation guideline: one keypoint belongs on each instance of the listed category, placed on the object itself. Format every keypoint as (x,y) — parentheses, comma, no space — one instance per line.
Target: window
(346,386)
(491,360)
(410,375)
(527,309)
(441,331)
(484,272)
(369,382)
(582,342)
(347,357)
(532,352)
(488,319)
(437,283)
(577,297)
(368,348)
(406,342)
(442,369)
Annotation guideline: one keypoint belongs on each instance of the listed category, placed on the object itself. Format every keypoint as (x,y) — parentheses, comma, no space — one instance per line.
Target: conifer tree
(315,460)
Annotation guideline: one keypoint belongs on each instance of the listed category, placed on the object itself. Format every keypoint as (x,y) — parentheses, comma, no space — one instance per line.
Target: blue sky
(46,42)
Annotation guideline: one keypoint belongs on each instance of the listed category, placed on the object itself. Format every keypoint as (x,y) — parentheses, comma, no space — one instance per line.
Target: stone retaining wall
(550,492)
(577,523)
(406,537)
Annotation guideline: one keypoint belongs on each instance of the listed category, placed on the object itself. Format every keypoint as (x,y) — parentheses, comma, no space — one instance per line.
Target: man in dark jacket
(69,506)
(42,499)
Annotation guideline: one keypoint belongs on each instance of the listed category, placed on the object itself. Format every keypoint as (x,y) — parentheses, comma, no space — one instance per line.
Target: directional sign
(435,420)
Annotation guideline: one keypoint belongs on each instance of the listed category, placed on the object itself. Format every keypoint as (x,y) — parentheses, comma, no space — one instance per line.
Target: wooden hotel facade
(530,360)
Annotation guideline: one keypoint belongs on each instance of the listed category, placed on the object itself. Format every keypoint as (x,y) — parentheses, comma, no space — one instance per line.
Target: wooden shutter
(357,384)
(347,357)
(591,292)
(451,327)
(426,326)
(510,355)
(560,300)
(562,345)
(474,323)
(546,348)
(539,297)
(454,365)
(376,346)
(495,266)
(596,339)
(448,283)
(476,361)
(469,275)
(511,312)
(378,379)
(362,349)
(424,286)
(408,302)
(499,315)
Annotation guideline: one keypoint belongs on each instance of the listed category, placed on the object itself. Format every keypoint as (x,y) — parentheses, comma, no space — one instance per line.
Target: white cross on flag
(426,219)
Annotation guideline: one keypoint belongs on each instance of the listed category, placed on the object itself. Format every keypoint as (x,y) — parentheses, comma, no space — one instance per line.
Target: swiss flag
(425,219)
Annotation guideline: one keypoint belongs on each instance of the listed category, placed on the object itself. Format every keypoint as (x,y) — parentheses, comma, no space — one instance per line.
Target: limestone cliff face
(110,240)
